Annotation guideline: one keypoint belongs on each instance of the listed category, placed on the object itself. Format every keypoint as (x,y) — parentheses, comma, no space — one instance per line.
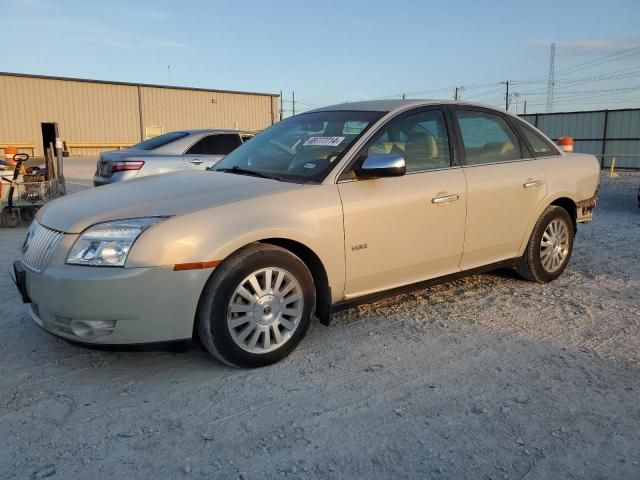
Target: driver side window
(420,138)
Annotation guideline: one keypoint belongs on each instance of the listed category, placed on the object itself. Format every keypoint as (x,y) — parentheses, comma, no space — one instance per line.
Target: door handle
(445,198)
(195,161)
(533,184)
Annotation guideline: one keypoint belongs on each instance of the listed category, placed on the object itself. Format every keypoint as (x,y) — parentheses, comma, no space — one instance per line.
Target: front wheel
(549,248)
(256,307)
(9,217)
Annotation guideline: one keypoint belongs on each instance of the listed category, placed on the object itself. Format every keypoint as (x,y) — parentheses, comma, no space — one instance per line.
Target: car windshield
(301,148)
(159,141)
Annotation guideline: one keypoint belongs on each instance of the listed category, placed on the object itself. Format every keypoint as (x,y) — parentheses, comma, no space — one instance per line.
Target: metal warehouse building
(607,134)
(91,115)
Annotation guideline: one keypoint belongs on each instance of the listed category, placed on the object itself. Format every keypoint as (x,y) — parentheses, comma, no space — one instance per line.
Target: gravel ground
(488,377)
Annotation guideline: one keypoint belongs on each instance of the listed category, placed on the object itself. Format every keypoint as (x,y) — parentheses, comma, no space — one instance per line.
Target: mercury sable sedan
(319,211)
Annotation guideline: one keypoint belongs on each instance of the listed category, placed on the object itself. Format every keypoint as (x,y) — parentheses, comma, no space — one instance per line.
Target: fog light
(92,328)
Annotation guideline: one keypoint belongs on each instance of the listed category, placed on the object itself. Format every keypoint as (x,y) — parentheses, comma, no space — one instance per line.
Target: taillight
(126,165)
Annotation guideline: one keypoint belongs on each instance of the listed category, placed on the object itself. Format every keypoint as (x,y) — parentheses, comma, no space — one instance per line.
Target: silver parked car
(181,150)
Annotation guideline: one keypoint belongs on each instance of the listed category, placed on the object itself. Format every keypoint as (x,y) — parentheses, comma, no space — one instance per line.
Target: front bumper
(113,306)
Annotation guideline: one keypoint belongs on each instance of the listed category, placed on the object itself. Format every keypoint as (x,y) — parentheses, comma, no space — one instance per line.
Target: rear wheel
(549,248)
(256,307)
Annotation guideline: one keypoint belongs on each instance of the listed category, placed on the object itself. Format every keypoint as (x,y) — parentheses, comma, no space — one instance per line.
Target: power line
(594,62)
(487,92)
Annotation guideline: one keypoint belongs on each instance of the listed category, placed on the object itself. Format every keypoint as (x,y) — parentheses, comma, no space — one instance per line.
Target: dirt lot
(488,377)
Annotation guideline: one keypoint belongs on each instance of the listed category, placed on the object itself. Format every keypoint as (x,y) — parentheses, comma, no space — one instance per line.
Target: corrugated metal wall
(175,109)
(604,132)
(92,113)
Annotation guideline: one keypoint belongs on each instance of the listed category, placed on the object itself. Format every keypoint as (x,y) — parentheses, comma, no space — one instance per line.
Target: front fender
(311,216)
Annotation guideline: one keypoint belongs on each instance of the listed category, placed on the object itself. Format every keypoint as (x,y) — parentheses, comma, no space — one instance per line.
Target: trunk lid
(106,159)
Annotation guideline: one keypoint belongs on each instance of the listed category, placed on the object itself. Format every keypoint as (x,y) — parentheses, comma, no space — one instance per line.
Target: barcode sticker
(324,141)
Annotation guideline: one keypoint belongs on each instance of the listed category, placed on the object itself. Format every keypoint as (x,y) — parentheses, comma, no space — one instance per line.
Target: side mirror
(378,166)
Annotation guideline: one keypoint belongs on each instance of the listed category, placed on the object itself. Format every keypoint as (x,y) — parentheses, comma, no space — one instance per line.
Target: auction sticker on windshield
(324,141)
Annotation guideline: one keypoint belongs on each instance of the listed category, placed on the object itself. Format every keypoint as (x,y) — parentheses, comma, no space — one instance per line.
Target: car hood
(158,195)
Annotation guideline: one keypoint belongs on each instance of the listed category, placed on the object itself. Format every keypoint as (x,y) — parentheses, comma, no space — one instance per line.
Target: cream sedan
(321,210)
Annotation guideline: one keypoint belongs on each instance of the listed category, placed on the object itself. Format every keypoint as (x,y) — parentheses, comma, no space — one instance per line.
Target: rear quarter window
(539,146)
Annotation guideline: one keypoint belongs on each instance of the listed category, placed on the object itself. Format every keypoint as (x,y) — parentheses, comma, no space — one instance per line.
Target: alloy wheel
(265,310)
(554,246)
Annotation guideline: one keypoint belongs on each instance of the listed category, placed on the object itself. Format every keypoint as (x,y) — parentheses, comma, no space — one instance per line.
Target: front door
(402,230)
(504,187)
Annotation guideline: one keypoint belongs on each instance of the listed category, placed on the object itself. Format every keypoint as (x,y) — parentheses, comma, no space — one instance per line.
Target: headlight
(108,244)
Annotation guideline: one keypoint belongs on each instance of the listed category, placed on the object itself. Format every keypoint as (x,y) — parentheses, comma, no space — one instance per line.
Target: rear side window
(220,144)
(539,144)
(487,138)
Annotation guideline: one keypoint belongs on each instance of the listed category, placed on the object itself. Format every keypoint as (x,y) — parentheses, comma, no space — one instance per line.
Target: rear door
(504,186)
(207,151)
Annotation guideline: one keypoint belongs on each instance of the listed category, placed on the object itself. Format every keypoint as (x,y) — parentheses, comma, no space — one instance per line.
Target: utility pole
(551,81)
(281,105)
(525,106)
(293,103)
(404,95)
(516,95)
(506,95)
(458,93)
(455,95)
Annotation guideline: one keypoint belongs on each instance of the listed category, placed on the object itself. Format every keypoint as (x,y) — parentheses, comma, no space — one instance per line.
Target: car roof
(216,130)
(397,104)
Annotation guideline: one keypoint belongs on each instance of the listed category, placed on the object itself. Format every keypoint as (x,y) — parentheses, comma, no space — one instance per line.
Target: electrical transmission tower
(551,82)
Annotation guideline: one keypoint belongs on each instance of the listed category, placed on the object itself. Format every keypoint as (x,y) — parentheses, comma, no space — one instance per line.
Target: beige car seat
(421,152)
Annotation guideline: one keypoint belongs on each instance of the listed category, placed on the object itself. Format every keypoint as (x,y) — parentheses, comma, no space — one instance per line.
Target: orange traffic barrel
(565,144)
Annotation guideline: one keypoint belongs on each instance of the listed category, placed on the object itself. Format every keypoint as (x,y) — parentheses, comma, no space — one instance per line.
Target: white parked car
(321,210)
(181,150)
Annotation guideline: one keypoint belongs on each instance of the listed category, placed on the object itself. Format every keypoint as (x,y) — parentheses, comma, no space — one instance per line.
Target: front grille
(38,246)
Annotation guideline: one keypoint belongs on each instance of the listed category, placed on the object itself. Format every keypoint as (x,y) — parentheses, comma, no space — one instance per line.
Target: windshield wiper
(244,171)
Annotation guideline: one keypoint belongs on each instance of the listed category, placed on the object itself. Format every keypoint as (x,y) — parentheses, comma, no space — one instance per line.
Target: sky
(337,51)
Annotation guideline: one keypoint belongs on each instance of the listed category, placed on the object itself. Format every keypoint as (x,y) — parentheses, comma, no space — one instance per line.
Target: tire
(543,263)
(28,214)
(9,218)
(226,312)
